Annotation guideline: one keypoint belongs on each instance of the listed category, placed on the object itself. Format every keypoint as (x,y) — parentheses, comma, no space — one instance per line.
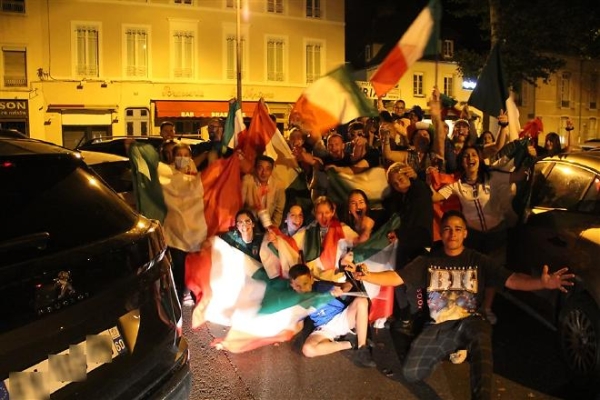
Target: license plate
(70,365)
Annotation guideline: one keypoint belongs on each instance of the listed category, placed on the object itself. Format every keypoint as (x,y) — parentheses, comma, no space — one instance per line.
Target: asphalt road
(526,364)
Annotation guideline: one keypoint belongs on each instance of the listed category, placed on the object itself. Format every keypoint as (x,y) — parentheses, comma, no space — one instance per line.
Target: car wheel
(580,337)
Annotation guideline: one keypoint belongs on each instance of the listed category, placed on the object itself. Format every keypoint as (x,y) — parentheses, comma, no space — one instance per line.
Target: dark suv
(88,307)
(561,227)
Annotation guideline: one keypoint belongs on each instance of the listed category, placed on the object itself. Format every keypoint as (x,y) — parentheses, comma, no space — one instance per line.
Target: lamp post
(238,51)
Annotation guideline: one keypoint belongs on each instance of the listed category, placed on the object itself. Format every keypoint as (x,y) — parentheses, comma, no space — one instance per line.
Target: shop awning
(198,109)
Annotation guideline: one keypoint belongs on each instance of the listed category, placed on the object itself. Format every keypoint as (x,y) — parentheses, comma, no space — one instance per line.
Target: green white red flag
(332,100)
(418,39)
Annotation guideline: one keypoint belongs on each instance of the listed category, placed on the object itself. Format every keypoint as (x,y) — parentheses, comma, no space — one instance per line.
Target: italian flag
(409,49)
(232,289)
(492,94)
(144,160)
(332,100)
(234,125)
(199,206)
(373,182)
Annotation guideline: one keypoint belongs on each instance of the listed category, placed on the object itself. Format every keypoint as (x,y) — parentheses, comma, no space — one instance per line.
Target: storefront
(190,116)
(83,122)
(14,114)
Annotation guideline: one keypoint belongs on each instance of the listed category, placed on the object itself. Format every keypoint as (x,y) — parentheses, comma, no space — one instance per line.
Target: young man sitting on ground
(335,319)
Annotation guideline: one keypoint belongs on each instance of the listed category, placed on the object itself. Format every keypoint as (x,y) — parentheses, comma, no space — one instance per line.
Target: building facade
(78,69)
(571,93)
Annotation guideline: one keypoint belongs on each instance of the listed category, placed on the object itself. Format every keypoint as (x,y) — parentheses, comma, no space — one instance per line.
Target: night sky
(384,21)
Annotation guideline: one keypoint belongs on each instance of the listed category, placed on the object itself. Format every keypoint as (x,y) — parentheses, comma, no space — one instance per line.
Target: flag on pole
(234,125)
(491,92)
(330,101)
(420,38)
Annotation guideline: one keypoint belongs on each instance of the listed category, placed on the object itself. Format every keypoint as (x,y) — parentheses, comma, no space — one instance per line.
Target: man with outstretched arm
(455,279)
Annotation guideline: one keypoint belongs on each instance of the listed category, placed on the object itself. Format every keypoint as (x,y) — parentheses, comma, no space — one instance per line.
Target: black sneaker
(363,358)
(349,337)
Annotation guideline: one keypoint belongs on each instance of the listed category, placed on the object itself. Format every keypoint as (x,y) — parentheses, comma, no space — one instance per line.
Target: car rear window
(51,203)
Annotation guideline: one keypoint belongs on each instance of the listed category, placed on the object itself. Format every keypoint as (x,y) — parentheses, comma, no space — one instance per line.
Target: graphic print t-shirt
(455,285)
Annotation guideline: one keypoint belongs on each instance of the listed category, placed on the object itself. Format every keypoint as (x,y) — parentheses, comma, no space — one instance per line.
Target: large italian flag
(332,100)
(409,49)
(208,200)
(232,289)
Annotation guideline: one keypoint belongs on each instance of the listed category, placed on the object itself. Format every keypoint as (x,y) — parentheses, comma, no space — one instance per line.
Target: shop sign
(13,109)
(367,88)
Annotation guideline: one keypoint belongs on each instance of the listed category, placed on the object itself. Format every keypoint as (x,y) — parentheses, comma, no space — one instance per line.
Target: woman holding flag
(324,241)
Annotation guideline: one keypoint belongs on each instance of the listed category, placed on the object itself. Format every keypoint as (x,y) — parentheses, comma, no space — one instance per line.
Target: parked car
(591,144)
(88,307)
(116,144)
(12,133)
(561,227)
(114,170)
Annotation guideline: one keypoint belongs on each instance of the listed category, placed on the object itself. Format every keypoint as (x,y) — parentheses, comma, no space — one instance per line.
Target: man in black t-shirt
(455,279)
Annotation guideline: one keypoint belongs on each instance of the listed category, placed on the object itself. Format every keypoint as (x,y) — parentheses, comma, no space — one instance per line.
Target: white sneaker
(491,317)
(458,357)
(188,300)
(379,323)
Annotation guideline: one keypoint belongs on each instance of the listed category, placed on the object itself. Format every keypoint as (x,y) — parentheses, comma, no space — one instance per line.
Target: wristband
(503,124)
(569,129)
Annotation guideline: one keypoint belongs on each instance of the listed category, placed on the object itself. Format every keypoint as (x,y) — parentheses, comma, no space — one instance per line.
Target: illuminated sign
(13,109)
(367,88)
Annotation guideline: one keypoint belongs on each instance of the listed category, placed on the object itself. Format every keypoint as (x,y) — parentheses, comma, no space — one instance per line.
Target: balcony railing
(15,6)
(13,81)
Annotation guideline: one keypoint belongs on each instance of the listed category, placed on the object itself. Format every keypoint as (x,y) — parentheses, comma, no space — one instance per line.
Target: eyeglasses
(244,222)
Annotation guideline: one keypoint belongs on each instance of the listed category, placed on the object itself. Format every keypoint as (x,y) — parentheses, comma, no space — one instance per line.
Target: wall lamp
(80,86)
(104,85)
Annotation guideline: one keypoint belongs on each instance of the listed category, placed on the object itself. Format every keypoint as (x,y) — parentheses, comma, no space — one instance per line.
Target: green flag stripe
(344,78)
(377,242)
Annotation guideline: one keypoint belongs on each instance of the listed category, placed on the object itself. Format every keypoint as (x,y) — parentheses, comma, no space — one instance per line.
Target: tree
(535,35)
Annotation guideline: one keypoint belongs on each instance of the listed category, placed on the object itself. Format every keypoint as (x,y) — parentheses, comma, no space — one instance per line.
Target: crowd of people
(426,167)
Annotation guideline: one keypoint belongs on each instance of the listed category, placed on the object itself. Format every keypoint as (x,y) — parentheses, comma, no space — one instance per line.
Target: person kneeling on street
(335,319)
(455,279)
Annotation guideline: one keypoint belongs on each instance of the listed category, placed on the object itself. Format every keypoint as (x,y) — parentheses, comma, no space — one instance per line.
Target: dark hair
(295,204)
(264,158)
(248,213)
(220,121)
(349,215)
(298,270)
(164,151)
(452,213)
(553,138)
(483,172)
(480,139)
(356,125)
(166,123)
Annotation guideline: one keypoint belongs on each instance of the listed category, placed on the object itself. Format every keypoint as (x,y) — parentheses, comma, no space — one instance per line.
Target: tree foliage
(535,35)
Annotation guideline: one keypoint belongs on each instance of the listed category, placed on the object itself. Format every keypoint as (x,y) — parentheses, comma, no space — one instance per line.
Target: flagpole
(238,51)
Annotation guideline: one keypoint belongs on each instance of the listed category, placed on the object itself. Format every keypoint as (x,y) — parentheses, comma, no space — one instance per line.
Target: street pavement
(279,372)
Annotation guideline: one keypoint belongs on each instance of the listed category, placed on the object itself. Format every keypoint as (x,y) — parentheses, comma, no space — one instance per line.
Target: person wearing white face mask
(182,159)
(184,226)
